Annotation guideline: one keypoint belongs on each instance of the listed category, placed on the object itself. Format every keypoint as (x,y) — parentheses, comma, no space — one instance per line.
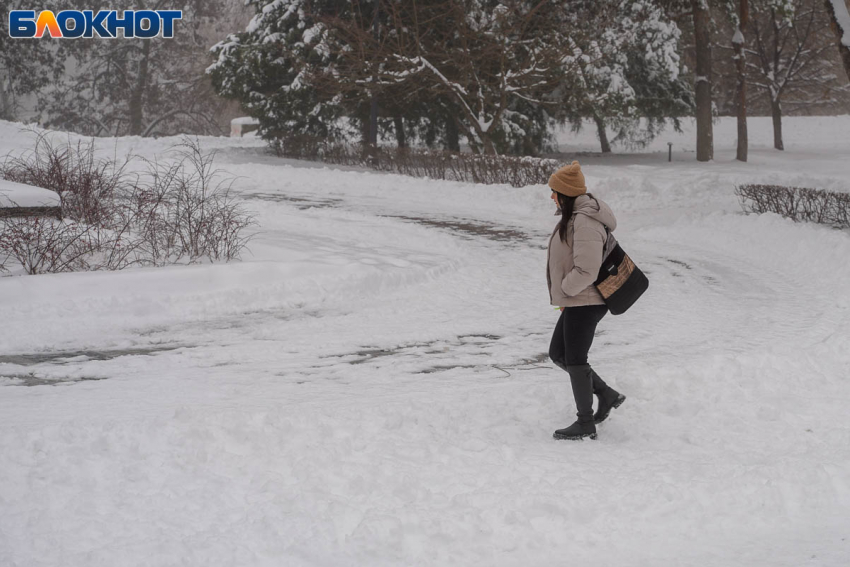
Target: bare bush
(178,210)
(797,203)
(187,211)
(474,168)
(85,184)
(43,245)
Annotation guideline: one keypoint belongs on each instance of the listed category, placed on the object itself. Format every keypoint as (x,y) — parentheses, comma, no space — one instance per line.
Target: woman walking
(576,251)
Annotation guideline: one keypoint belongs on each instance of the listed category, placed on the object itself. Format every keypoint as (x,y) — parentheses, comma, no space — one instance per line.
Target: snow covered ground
(370,386)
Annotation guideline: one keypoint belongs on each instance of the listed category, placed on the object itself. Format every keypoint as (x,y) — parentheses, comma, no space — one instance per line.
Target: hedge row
(797,203)
(474,168)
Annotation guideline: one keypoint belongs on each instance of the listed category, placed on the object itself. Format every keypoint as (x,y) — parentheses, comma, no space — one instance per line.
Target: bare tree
(26,65)
(141,87)
(789,61)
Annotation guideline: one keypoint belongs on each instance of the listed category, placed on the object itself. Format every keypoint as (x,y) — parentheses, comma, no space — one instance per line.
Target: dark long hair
(567,205)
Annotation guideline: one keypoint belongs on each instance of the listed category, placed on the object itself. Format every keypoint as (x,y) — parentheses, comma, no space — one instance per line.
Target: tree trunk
(741,90)
(489,148)
(741,99)
(839,15)
(373,109)
(5,104)
(603,135)
(776,111)
(362,114)
(373,122)
(137,97)
(399,132)
(7,100)
(702,84)
(364,133)
(452,135)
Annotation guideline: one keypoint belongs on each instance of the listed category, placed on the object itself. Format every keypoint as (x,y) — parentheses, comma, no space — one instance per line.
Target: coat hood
(596,209)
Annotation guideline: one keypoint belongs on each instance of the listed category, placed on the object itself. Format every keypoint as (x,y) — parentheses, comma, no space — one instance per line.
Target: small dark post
(669,151)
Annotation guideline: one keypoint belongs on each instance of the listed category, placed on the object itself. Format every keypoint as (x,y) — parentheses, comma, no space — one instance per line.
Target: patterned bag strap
(610,243)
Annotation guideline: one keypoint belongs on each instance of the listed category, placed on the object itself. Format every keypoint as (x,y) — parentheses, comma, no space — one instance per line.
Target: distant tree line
(502,74)
(109,87)
(496,76)
(499,74)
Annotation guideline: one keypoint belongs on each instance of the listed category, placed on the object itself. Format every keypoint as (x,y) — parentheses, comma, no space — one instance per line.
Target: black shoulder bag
(620,282)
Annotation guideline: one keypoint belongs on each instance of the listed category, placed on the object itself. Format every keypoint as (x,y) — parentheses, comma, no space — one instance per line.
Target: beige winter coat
(573,265)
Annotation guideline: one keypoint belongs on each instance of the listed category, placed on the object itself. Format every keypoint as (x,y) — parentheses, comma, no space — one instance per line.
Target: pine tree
(628,71)
(497,73)
(481,57)
(269,67)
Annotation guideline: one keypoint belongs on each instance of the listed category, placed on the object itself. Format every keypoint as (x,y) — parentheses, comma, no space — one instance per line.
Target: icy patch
(300,202)
(68,357)
(471,228)
(32,379)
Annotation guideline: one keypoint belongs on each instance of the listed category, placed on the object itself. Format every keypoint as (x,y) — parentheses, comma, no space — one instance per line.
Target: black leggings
(574,334)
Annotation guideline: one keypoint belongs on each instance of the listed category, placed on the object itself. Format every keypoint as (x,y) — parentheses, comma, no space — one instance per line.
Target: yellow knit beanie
(568,181)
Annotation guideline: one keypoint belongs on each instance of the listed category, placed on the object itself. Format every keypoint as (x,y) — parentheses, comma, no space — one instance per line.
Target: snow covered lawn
(370,386)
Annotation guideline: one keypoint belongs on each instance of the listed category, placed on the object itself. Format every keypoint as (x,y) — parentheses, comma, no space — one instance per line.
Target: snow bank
(802,135)
(20,195)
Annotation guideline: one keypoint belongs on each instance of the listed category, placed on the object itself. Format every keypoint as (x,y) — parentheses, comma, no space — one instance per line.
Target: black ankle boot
(577,431)
(581,379)
(609,399)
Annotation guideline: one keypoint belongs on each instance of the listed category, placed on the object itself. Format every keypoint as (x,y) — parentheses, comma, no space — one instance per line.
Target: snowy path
(371,389)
